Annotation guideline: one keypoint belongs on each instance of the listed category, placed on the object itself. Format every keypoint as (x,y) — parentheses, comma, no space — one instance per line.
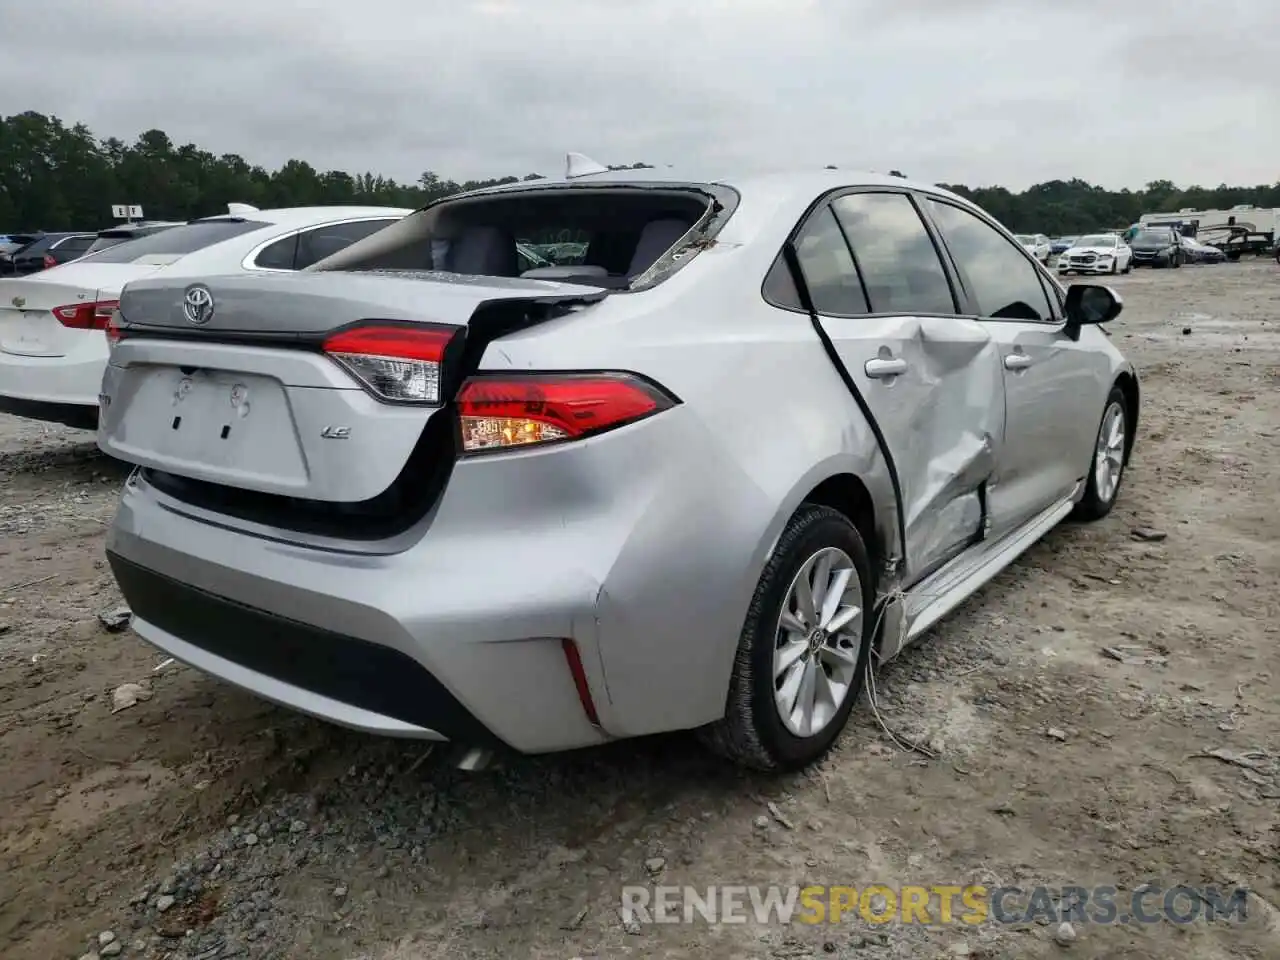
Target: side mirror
(1089,303)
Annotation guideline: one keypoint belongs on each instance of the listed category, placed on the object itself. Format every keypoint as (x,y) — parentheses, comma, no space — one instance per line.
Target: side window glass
(780,287)
(828,267)
(279,255)
(896,256)
(1003,281)
(315,245)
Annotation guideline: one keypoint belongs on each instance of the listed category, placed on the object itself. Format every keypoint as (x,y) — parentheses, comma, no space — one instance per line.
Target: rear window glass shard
(896,256)
(178,241)
(604,236)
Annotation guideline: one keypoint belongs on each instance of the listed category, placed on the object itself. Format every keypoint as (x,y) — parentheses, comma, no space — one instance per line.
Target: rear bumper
(68,381)
(80,416)
(398,645)
(352,682)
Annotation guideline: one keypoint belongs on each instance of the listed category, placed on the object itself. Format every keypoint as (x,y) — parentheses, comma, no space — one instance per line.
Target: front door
(1050,382)
(930,378)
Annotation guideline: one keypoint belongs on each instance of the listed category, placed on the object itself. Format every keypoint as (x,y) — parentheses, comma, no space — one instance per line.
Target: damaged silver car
(747,434)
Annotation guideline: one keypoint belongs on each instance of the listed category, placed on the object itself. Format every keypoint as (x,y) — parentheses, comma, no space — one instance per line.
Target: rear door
(1054,385)
(929,377)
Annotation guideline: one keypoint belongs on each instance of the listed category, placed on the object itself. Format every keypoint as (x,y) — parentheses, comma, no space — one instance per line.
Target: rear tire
(1110,458)
(756,731)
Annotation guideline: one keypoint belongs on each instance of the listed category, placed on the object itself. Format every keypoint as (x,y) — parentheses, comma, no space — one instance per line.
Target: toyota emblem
(197,305)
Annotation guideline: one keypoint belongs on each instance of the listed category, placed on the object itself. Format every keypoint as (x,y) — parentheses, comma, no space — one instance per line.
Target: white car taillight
(89,315)
(400,363)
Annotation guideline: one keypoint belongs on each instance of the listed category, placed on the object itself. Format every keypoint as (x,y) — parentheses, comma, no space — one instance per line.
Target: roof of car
(298,216)
(811,182)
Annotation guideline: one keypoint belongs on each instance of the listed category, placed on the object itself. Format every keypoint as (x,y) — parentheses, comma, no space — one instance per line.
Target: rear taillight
(501,412)
(115,329)
(86,316)
(397,363)
(48,262)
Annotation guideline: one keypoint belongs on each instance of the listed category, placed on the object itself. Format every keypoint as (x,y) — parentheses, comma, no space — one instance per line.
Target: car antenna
(580,165)
(240,209)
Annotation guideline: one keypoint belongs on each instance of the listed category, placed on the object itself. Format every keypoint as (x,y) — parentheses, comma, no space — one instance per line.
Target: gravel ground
(203,823)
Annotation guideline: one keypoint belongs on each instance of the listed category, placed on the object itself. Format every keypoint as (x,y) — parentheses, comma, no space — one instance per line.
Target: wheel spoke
(838,658)
(843,617)
(802,712)
(791,623)
(804,597)
(789,692)
(835,590)
(788,654)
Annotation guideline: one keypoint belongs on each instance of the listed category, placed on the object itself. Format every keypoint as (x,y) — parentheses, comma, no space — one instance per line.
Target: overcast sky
(978,92)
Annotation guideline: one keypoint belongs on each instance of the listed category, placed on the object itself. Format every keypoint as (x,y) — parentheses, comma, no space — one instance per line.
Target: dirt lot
(276,836)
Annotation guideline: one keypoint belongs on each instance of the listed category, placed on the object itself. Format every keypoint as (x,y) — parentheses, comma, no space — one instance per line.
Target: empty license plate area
(215,425)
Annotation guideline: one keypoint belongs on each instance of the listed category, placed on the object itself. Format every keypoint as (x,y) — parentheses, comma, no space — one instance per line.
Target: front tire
(1110,457)
(1115,268)
(802,655)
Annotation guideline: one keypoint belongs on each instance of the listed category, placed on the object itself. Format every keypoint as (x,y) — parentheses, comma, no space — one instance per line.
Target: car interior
(602,237)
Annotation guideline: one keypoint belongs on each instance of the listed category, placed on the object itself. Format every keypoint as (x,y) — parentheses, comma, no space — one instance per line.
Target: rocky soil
(199,822)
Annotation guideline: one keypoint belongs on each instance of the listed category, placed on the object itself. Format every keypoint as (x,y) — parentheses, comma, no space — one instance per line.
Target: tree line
(59,177)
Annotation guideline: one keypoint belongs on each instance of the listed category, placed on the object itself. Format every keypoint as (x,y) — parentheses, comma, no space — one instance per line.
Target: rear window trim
(248,262)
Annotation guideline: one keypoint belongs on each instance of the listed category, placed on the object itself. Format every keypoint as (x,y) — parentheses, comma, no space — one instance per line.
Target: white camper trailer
(1242,229)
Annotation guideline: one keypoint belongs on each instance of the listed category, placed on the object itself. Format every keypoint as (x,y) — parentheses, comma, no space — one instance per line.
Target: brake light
(48,261)
(521,410)
(89,315)
(115,331)
(401,363)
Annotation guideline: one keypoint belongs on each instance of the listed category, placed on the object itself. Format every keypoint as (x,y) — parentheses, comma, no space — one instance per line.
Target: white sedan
(1038,245)
(1096,253)
(53,341)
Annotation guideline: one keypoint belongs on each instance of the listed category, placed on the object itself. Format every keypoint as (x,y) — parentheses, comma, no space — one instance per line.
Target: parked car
(1157,247)
(49,250)
(129,231)
(53,346)
(1096,253)
(688,481)
(1037,245)
(1061,245)
(1193,251)
(12,244)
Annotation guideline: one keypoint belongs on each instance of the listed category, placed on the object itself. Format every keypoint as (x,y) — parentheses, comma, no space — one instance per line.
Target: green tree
(57,177)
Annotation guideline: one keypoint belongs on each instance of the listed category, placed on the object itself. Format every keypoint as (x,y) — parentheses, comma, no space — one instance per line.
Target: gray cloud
(971,91)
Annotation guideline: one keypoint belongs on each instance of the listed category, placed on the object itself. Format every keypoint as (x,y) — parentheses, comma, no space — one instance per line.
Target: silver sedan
(741,436)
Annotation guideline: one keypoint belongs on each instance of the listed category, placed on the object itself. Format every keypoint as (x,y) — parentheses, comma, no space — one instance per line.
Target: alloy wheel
(1108,453)
(818,640)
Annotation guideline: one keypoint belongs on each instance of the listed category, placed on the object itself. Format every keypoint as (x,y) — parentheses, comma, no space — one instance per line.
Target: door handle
(881,368)
(1017,361)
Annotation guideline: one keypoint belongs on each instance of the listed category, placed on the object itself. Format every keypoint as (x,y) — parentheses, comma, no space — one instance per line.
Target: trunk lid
(27,325)
(246,399)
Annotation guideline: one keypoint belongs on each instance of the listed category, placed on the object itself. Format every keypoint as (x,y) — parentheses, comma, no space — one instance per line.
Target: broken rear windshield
(604,236)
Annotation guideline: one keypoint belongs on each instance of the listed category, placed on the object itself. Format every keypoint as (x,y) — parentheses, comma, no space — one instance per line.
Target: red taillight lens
(499,412)
(86,316)
(48,261)
(398,363)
